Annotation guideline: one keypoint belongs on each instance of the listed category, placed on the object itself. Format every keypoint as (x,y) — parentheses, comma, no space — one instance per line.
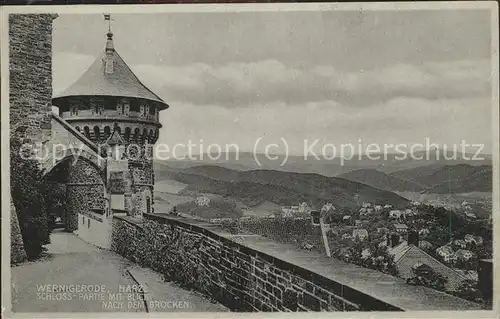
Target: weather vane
(107,17)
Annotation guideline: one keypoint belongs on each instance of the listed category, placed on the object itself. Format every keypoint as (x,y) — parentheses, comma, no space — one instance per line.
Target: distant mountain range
(460,178)
(255,187)
(388,163)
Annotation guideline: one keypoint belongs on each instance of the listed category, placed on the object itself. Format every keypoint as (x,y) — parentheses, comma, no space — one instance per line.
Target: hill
(460,178)
(382,180)
(255,187)
(463,180)
(387,163)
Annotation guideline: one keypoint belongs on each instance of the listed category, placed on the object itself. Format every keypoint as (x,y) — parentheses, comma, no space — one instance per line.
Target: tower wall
(30,91)
(30,78)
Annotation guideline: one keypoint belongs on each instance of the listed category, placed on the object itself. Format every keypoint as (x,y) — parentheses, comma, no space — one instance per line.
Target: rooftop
(109,75)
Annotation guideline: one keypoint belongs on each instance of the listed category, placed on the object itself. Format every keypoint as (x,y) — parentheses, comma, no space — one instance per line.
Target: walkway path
(75,265)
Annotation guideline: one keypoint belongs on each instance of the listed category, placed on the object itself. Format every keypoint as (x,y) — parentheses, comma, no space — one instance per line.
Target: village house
(202,201)
(464,254)
(286,212)
(346,236)
(460,243)
(408,213)
(304,208)
(400,228)
(327,207)
(409,258)
(358,222)
(366,205)
(361,234)
(346,218)
(471,239)
(395,214)
(470,215)
(387,206)
(447,253)
(424,232)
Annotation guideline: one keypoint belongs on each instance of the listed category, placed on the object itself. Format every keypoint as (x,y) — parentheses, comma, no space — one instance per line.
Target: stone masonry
(237,276)
(30,91)
(30,68)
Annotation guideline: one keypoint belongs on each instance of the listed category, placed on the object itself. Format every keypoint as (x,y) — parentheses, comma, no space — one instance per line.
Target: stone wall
(299,232)
(85,193)
(30,92)
(235,275)
(30,75)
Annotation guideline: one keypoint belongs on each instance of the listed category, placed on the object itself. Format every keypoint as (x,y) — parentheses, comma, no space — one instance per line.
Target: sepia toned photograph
(215,159)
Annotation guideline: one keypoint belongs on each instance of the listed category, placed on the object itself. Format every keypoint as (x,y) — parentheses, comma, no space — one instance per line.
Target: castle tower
(112,108)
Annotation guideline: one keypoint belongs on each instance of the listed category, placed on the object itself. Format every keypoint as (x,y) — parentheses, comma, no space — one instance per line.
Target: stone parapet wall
(299,232)
(239,277)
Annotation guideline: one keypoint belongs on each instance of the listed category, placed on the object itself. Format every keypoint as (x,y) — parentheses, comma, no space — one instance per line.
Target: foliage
(468,290)
(366,254)
(429,279)
(55,195)
(29,193)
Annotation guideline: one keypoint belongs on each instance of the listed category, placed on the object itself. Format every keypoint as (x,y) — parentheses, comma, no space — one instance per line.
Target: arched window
(107,132)
(151,136)
(86,131)
(145,135)
(127,133)
(137,134)
(97,133)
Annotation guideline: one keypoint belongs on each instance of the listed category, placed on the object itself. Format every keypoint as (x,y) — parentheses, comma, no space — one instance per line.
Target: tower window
(135,106)
(86,131)
(97,132)
(107,131)
(127,133)
(110,104)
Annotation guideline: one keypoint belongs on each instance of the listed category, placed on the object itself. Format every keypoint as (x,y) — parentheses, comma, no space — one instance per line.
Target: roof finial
(109,44)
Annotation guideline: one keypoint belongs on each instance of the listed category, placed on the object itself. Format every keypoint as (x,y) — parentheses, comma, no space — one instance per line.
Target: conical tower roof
(118,81)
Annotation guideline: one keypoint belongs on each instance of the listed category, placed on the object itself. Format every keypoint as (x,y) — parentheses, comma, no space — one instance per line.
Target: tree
(430,279)
(27,191)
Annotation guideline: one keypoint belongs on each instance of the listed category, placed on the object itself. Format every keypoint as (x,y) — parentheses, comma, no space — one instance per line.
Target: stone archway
(85,188)
(56,158)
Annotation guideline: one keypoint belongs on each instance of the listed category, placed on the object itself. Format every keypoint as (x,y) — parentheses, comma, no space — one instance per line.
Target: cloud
(242,84)
(403,120)
(67,67)
(263,82)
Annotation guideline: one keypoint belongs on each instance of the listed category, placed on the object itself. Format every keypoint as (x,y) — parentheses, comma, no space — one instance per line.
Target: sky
(384,77)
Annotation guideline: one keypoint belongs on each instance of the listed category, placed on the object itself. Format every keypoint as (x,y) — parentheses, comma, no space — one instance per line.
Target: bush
(432,280)
(29,190)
